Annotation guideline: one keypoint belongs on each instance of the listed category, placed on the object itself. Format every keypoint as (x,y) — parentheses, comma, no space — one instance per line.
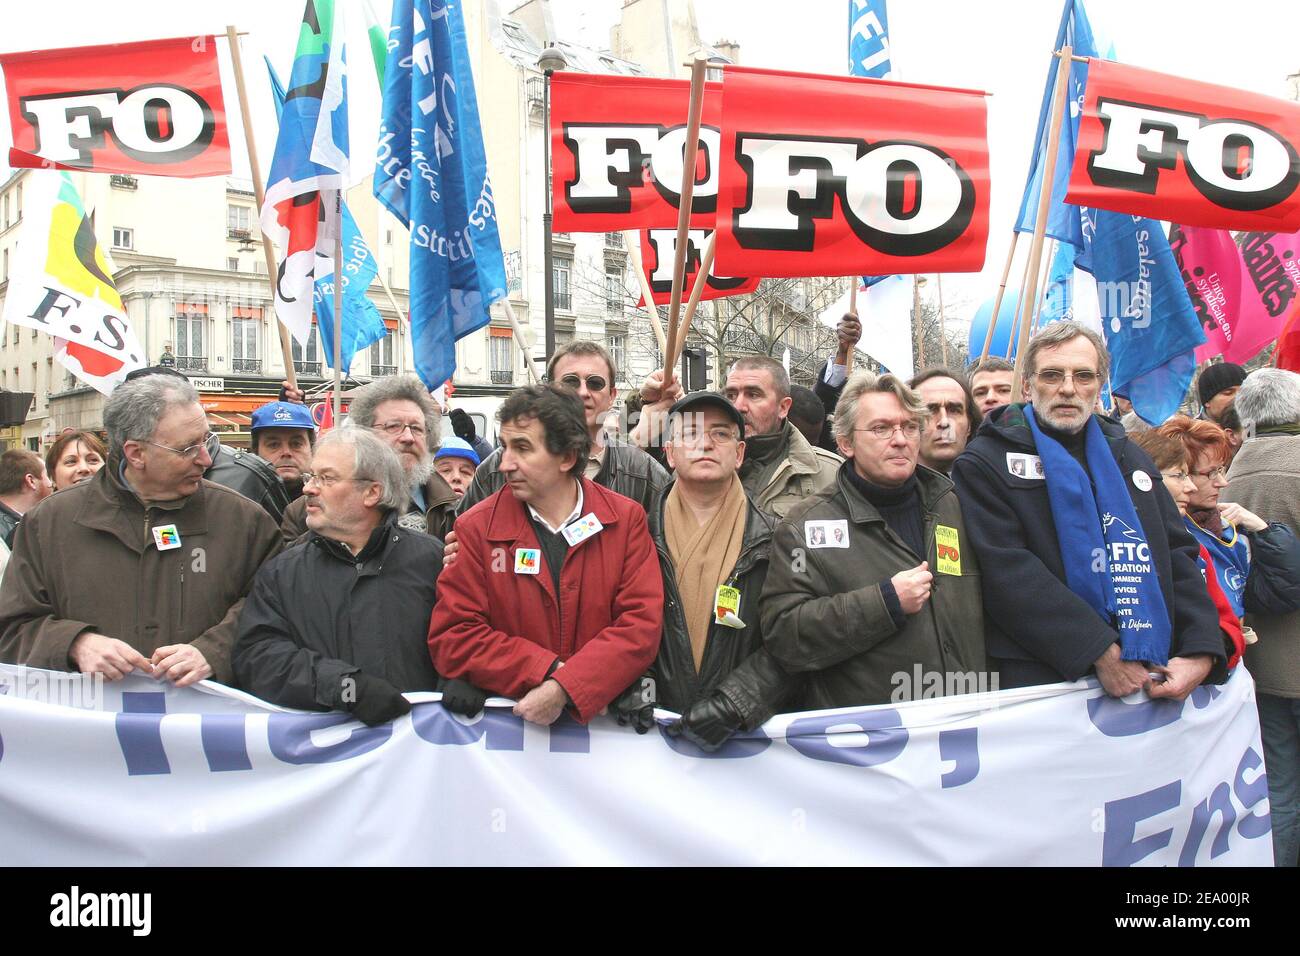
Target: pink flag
(1242,293)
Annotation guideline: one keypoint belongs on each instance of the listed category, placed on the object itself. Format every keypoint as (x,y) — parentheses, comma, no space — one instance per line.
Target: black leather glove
(708,722)
(635,707)
(377,701)
(462,697)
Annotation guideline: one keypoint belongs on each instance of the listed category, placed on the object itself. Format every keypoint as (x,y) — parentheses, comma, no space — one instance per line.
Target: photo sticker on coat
(826,534)
(1025,466)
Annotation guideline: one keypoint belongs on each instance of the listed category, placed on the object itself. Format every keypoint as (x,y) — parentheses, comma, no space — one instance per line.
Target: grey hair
(135,408)
(373,459)
(1058,333)
(398,388)
(869,383)
(765,363)
(1269,396)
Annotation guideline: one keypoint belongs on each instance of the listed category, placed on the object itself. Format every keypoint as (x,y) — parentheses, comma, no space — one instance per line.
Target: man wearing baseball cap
(284,434)
(1216,387)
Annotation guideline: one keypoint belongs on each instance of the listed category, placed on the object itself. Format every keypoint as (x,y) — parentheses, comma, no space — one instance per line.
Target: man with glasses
(873,582)
(400,411)
(308,636)
(1086,564)
(587,369)
(144,566)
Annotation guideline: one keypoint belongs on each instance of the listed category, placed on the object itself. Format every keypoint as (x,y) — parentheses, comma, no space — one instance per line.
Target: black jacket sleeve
(1273,585)
(829,394)
(758,688)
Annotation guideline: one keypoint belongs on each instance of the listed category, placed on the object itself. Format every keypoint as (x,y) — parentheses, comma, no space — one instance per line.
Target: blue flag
(431,173)
(869,39)
(1058,300)
(362,324)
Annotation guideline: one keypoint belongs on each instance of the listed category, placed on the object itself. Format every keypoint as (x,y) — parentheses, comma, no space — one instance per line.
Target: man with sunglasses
(400,411)
(586,368)
(145,566)
(1087,567)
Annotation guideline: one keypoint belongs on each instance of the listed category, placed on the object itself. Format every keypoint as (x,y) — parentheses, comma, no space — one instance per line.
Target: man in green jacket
(873,592)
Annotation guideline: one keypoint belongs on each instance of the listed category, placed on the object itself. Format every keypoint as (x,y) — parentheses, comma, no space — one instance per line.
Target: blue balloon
(979,327)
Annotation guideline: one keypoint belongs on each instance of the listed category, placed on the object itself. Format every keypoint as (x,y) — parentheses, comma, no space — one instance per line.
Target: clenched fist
(913,587)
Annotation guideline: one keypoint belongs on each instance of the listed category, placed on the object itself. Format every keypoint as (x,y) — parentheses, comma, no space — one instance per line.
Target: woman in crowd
(73,458)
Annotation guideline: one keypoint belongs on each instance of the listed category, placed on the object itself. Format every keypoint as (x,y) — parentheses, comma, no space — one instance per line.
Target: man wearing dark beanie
(1217,387)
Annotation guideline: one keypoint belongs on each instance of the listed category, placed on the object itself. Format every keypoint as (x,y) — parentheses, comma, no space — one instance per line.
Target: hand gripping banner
(658,252)
(1185,151)
(826,175)
(616,152)
(152,108)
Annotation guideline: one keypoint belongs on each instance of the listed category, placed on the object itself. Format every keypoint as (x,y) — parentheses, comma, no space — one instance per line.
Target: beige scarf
(703,556)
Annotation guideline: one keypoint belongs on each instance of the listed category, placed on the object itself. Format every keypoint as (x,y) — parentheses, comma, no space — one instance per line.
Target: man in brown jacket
(146,565)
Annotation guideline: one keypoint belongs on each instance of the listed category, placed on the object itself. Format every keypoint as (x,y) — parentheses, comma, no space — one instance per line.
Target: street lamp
(552,59)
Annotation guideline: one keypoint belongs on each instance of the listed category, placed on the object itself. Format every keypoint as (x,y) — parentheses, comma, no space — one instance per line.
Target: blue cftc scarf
(1095,518)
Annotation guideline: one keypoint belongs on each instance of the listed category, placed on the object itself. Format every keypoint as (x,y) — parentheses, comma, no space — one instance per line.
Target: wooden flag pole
(943,337)
(997,301)
(232,37)
(519,337)
(853,295)
(706,263)
(685,200)
(632,243)
(1044,201)
(338,304)
(1042,295)
(1019,311)
(919,358)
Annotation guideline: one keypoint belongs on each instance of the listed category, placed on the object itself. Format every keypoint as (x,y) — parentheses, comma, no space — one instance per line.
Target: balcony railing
(307,368)
(118,181)
(502,377)
(192,363)
(239,235)
(251,365)
(380,370)
(614,241)
(563,300)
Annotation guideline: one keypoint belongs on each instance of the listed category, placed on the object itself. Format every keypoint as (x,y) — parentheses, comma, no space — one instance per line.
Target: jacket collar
(438,493)
(109,505)
(930,485)
(1009,423)
(799,454)
(387,533)
(509,518)
(758,528)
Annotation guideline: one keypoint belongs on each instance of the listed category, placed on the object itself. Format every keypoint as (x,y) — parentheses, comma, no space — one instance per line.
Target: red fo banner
(1185,151)
(826,176)
(152,108)
(616,152)
(659,252)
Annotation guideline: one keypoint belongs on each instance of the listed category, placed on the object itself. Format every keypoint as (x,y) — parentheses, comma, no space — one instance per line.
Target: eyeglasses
(1054,376)
(719,435)
(1214,474)
(326,481)
(396,428)
(1175,475)
(594,382)
(882,432)
(211,442)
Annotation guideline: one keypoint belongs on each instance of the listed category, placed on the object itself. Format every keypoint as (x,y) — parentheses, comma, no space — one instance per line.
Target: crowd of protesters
(740,553)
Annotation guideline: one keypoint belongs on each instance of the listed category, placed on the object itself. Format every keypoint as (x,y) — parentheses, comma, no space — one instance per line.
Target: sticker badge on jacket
(582,529)
(528,560)
(947,550)
(1025,466)
(726,603)
(833,533)
(166,537)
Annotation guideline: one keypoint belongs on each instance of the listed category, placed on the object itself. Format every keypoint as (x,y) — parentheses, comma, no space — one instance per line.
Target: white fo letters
(610,160)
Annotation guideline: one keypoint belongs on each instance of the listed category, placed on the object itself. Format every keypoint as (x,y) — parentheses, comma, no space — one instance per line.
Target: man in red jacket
(555,598)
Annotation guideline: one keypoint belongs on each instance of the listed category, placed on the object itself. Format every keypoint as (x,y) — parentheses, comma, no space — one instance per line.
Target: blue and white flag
(431,173)
(869,39)
(362,324)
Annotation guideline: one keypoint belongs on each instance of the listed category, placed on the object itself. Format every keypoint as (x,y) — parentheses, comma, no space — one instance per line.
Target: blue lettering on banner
(224,745)
(1219,801)
(435,725)
(1203,695)
(1118,848)
(1114,718)
(139,733)
(962,748)
(569,737)
(737,746)
(1252,825)
(886,737)
(289,736)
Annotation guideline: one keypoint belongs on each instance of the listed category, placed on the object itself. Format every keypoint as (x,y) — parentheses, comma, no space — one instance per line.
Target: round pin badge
(1142,480)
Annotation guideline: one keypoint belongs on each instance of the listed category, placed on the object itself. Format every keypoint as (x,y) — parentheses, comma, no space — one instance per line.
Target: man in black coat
(340,620)
(1038,629)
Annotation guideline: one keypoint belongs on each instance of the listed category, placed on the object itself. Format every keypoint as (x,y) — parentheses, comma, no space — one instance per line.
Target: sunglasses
(594,383)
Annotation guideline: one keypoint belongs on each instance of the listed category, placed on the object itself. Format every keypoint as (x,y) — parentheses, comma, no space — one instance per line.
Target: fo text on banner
(616,152)
(138,772)
(152,108)
(1186,151)
(658,253)
(824,175)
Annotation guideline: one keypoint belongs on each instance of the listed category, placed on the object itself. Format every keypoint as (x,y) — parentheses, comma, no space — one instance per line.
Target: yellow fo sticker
(948,549)
(726,604)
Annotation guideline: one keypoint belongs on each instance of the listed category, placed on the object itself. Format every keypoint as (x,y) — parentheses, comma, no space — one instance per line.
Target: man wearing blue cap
(284,434)
(456,462)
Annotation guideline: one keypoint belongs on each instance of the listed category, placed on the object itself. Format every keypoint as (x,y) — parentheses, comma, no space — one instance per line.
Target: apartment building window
(381,356)
(232,263)
(307,361)
(6,210)
(18,217)
(499,363)
(191,354)
(238,219)
(560,272)
(5,274)
(613,290)
(123,238)
(618,352)
(245,331)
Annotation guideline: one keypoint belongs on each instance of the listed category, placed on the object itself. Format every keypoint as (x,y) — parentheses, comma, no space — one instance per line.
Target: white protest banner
(137,772)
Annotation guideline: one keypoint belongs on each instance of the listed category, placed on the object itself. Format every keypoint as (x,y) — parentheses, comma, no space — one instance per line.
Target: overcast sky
(1002,47)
